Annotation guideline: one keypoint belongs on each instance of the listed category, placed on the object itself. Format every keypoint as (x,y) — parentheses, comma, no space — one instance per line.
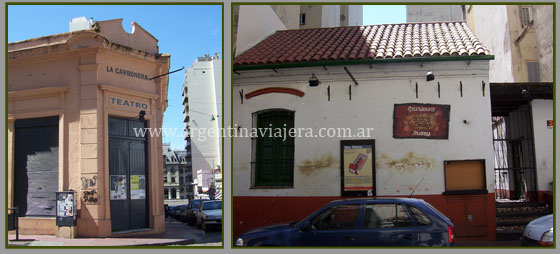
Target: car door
(386,224)
(333,226)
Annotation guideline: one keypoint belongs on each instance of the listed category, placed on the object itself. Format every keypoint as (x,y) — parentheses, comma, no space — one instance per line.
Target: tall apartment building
(177,176)
(247,33)
(202,100)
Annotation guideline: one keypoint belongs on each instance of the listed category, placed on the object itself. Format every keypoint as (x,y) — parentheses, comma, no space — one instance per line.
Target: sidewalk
(176,233)
(483,244)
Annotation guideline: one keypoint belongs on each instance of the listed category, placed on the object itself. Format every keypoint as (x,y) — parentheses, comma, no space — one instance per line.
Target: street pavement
(176,234)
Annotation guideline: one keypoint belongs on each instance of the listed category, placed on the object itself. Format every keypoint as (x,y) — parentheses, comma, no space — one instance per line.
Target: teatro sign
(414,120)
(133,104)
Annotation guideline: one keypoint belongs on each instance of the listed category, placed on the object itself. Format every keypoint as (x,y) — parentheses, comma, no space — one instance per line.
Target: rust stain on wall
(308,167)
(409,163)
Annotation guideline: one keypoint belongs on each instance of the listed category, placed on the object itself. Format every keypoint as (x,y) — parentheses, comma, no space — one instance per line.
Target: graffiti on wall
(88,182)
(90,197)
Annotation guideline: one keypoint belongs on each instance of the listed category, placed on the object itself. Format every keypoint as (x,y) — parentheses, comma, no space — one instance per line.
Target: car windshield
(211,205)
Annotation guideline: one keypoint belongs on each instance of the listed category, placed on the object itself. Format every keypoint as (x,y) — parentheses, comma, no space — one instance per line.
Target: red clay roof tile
(366,42)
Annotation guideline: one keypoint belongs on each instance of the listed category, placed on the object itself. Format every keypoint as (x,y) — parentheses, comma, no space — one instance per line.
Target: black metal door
(128,175)
(514,155)
(36,166)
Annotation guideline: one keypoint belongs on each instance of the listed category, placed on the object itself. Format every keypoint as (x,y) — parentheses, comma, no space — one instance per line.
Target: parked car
(179,212)
(539,232)
(189,215)
(361,222)
(209,213)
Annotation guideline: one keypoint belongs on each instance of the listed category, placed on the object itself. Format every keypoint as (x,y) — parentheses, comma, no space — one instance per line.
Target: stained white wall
(380,87)
(542,110)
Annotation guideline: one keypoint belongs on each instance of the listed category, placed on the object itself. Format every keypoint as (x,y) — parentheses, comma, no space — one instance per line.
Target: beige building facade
(91,87)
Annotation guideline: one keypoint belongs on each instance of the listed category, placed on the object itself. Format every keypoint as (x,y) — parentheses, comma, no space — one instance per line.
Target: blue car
(361,222)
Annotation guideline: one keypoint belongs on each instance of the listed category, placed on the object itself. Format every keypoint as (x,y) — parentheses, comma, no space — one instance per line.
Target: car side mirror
(306,227)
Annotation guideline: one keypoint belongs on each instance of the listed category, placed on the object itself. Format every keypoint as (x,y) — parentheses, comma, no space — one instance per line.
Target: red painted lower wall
(254,212)
(547,197)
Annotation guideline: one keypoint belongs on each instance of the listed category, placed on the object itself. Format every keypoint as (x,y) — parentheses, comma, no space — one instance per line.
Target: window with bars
(273,157)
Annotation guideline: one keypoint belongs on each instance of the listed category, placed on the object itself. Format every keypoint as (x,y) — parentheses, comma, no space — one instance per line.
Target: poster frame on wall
(441,121)
(345,164)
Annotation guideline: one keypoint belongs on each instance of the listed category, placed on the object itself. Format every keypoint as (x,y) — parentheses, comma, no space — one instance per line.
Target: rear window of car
(434,209)
(386,216)
(421,218)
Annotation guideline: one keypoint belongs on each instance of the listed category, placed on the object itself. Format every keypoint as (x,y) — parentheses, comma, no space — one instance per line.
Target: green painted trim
(393,3)
(114,3)
(554,112)
(232,18)
(359,61)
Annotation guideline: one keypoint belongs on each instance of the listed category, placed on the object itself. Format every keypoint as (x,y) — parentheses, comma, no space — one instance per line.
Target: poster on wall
(137,187)
(414,120)
(65,208)
(118,187)
(358,167)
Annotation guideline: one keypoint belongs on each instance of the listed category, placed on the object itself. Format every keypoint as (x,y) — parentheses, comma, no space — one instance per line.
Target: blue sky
(184,31)
(384,14)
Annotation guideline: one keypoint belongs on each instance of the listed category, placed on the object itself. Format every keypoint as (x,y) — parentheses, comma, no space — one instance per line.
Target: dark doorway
(128,175)
(36,166)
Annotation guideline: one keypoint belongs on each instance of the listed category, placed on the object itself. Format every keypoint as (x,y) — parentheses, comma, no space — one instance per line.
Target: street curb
(180,242)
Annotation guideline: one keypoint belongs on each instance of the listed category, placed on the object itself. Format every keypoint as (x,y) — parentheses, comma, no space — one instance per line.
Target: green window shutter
(274,160)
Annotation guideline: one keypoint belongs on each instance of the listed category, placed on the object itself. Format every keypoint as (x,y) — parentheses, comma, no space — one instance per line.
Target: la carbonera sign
(129,73)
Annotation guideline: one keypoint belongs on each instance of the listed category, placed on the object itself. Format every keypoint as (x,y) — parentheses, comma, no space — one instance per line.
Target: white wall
(542,15)
(256,22)
(542,110)
(496,38)
(371,106)
(330,16)
(431,13)
(355,15)
(204,91)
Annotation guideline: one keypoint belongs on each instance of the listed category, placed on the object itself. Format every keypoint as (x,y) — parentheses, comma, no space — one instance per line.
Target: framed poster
(415,120)
(118,187)
(357,168)
(137,187)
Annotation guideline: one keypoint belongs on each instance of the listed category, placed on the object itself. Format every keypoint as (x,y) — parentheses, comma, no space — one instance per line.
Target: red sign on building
(414,120)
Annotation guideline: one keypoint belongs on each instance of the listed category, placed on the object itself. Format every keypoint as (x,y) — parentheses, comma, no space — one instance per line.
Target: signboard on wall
(415,120)
(358,167)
